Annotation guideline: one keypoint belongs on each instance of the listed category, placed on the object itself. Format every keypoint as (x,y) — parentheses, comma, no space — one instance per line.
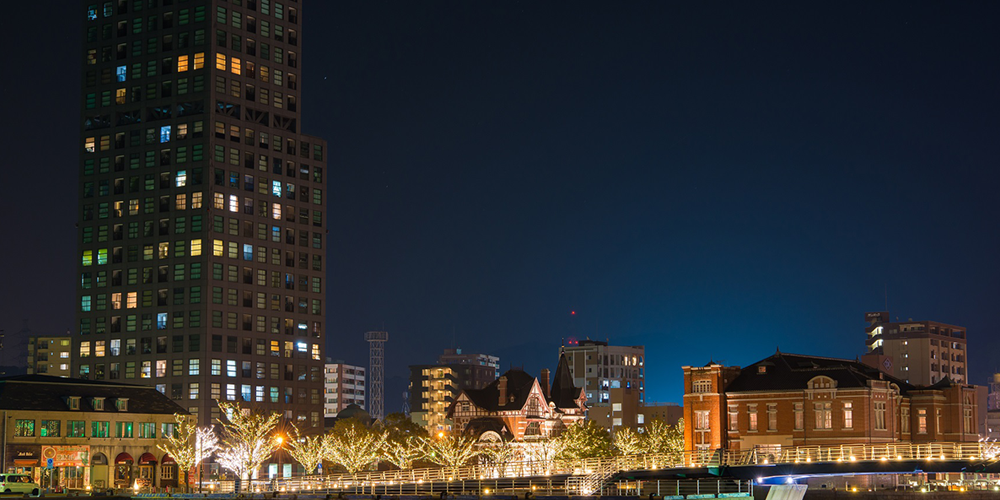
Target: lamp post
(279,475)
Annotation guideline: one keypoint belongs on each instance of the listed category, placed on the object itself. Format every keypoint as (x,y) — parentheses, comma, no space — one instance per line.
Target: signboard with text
(67,456)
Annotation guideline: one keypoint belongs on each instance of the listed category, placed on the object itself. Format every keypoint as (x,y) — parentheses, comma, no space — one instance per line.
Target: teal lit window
(122,73)
(165,134)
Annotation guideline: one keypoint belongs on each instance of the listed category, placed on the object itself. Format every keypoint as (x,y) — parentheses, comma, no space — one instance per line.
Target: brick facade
(791,400)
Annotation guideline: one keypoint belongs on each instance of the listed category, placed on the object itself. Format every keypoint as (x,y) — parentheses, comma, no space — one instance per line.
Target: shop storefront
(168,472)
(123,471)
(99,471)
(71,465)
(23,459)
(147,470)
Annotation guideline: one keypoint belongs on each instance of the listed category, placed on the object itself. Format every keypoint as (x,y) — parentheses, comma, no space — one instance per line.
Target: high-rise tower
(202,230)
(376,373)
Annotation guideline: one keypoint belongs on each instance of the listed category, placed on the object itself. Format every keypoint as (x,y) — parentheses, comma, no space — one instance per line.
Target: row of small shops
(96,467)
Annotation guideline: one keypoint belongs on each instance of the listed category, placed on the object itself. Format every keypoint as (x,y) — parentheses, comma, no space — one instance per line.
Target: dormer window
(121,404)
(97,403)
(73,402)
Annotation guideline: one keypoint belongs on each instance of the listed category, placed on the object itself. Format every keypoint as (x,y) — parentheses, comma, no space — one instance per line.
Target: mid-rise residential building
(202,216)
(99,434)
(993,392)
(344,386)
(598,367)
(457,357)
(794,400)
(624,410)
(49,355)
(433,388)
(917,352)
(520,407)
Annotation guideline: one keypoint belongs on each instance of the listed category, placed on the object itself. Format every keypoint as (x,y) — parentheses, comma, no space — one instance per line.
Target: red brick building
(793,400)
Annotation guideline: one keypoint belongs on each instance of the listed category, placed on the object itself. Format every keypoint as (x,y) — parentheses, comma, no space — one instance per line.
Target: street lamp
(279,440)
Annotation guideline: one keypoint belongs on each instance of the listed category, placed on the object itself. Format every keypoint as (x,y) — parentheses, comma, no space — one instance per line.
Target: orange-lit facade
(792,400)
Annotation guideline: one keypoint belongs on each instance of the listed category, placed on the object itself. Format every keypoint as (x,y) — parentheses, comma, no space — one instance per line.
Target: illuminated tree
(308,450)
(989,449)
(449,451)
(402,440)
(354,446)
(189,444)
(662,438)
(246,439)
(585,440)
(499,454)
(628,442)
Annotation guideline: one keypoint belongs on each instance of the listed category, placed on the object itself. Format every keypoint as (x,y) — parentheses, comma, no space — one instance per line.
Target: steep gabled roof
(783,371)
(563,393)
(519,386)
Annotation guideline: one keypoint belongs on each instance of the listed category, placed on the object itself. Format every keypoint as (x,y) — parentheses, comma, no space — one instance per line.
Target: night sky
(713,180)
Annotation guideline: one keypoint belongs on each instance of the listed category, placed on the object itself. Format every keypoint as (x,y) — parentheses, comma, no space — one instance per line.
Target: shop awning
(168,460)
(147,458)
(123,458)
(25,462)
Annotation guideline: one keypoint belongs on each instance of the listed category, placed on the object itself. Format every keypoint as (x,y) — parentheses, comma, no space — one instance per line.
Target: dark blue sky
(709,179)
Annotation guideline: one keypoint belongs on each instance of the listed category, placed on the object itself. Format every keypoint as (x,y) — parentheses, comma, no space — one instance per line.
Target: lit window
(161,321)
(234,203)
(180,180)
(131,300)
(165,134)
(220,62)
(90,144)
(182,63)
(88,257)
(85,303)
(195,248)
(236,66)
(276,188)
(122,73)
(120,96)
(199,60)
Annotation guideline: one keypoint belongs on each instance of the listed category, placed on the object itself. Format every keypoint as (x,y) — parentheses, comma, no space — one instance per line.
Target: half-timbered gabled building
(518,406)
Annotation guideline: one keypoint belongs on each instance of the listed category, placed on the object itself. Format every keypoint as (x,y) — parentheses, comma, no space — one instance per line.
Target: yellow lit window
(182,131)
(217,248)
(181,201)
(132,296)
(236,66)
(88,257)
(182,63)
(199,60)
(264,72)
(276,211)
(196,200)
(116,300)
(120,96)
(163,250)
(219,201)
(90,144)
(133,207)
(195,248)
(220,62)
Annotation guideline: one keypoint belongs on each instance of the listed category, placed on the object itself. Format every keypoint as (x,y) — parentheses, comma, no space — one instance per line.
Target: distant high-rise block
(918,352)
(344,386)
(49,355)
(202,219)
(456,356)
(599,367)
